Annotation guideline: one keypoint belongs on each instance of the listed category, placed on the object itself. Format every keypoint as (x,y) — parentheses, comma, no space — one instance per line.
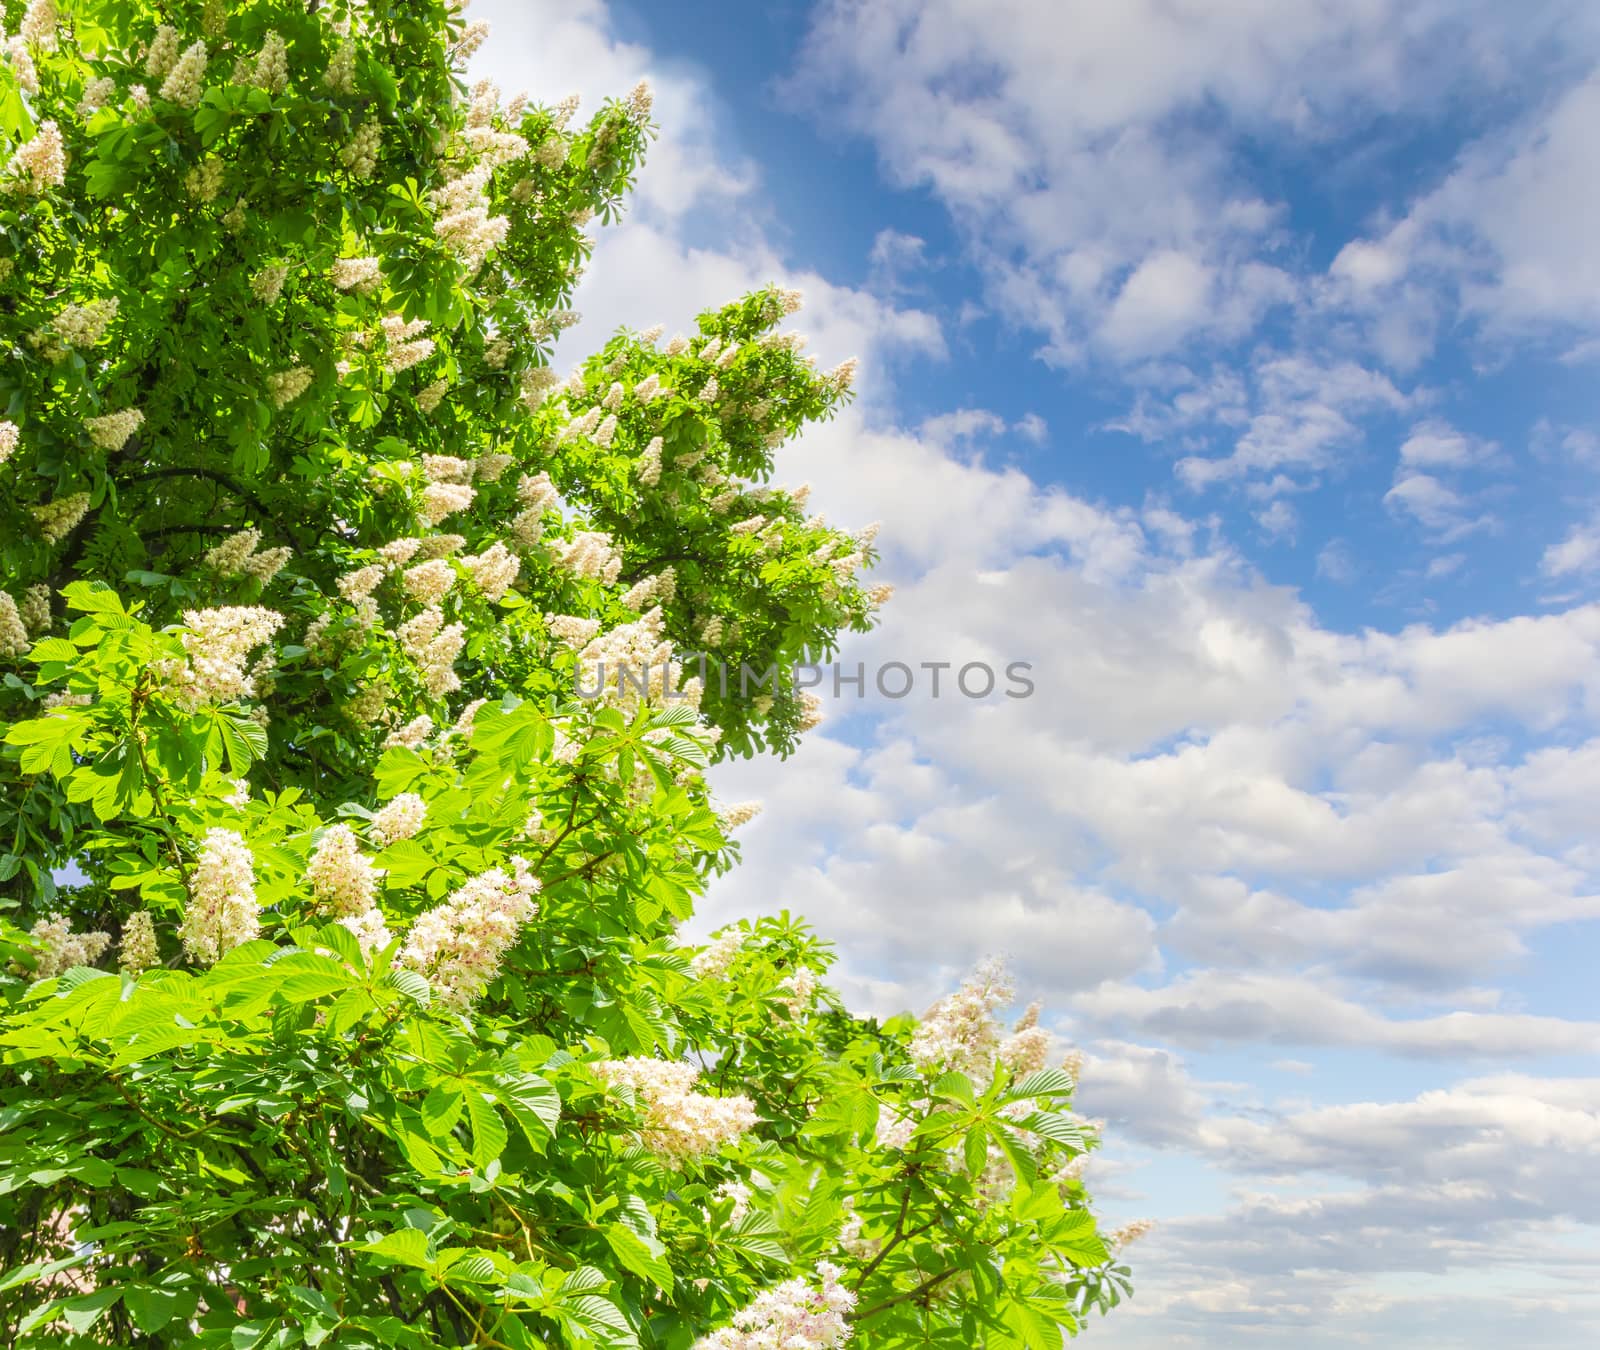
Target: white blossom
(493,571)
(13,632)
(959,1032)
(713,962)
(342,878)
(186,81)
(680,1124)
(458,946)
(218,642)
(111,432)
(140,950)
(399,818)
(59,517)
(39,164)
(222,912)
(62,948)
(794,1315)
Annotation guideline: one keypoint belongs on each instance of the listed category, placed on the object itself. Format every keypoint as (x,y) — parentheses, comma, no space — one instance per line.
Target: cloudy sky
(1233,363)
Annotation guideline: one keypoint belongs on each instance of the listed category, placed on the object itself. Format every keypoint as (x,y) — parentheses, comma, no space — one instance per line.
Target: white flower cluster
(662,587)
(633,664)
(284,386)
(434,646)
(446,469)
(741,813)
(458,945)
(739,1193)
(444,499)
(793,1315)
(140,951)
(38,25)
(1129,1232)
(10,436)
(236,556)
(359,155)
(186,82)
(77,327)
(267,284)
(571,630)
(361,275)
(1027,1049)
(370,930)
(491,468)
(340,76)
(493,571)
(39,164)
(959,1032)
(537,382)
(430,397)
(204,181)
(59,517)
(163,52)
(489,144)
(400,818)
(412,734)
(222,912)
(404,346)
(472,37)
(429,582)
(62,948)
(463,222)
(271,70)
(343,879)
(359,585)
(590,555)
(680,1124)
(895,1131)
(713,962)
(13,632)
(111,432)
(802,987)
(217,642)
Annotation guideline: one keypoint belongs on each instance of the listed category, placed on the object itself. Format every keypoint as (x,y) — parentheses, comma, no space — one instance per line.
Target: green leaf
(441,1108)
(1043,1083)
(975,1151)
(533,1104)
(641,1253)
(85,1310)
(152,1308)
(412,985)
(488,1130)
(408,1246)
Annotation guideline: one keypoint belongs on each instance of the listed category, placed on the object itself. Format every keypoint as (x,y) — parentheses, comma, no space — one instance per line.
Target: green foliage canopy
(364,1020)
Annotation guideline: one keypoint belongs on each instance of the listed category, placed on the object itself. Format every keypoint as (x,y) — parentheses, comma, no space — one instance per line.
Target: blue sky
(1235,364)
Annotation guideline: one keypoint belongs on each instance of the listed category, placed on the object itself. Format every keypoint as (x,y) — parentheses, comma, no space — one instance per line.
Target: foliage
(343,1002)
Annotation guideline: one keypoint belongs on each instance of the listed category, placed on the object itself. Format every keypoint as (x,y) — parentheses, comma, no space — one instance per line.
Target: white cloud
(1578,552)
(1214,1007)
(1437,507)
(1096,159)
(1506,236)
(1435,444)
(1167,296)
